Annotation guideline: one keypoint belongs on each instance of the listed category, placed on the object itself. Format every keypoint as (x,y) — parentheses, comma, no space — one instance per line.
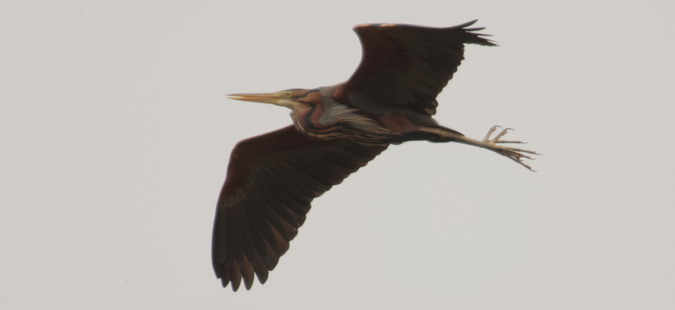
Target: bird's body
(390,99)
(326,118)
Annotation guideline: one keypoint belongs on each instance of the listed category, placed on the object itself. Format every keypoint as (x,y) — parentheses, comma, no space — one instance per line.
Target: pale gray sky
(116,133)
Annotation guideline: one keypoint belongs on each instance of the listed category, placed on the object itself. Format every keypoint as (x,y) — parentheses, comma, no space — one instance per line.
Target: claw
(489,133)
(501,134)
(515,154)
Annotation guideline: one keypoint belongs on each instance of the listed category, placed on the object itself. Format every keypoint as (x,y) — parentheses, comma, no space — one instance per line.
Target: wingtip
(248,284)
(225,283)
(262,276)
(383,25)
(478,38)
(236,282)
(487,42)
(467,24)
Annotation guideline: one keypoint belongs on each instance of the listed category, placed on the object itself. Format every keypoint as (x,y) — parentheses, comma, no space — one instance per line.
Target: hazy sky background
(115,135)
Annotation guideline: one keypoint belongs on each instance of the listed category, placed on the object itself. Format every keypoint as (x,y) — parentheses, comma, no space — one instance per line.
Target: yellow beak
(273,98)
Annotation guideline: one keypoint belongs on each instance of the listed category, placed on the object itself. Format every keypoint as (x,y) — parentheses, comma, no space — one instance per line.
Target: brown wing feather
(271,180)
(406,65)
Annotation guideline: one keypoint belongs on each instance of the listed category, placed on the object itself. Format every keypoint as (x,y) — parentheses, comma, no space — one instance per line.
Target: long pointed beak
(265,98)
(273,98)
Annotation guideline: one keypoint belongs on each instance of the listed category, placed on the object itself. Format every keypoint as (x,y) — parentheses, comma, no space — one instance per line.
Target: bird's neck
(329,120)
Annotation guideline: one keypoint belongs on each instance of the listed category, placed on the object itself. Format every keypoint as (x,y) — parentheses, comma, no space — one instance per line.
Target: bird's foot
(515,154)
(489,142)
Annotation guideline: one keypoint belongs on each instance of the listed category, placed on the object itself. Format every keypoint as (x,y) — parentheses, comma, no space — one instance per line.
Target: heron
(272,179)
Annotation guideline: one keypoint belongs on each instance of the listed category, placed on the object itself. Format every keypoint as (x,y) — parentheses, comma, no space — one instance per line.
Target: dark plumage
(390,98)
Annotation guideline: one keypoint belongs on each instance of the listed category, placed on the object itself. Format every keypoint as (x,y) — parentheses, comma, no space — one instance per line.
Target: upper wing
(271,180)
(407,65)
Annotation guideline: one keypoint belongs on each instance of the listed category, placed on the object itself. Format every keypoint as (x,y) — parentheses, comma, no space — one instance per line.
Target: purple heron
(390,99)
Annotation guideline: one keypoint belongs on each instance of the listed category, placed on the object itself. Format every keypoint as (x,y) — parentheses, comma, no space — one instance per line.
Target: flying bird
(389,99)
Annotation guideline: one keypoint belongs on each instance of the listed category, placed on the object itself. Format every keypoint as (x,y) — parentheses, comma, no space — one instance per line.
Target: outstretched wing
(271,180)
(407,66)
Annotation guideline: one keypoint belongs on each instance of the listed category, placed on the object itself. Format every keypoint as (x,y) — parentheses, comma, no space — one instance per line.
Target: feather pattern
(271,181)
(407,66)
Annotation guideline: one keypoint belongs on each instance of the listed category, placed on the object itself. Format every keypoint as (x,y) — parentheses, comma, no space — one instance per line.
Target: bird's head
(293,99)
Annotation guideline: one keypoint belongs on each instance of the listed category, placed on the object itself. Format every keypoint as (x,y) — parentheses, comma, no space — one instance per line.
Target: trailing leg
(488,142)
